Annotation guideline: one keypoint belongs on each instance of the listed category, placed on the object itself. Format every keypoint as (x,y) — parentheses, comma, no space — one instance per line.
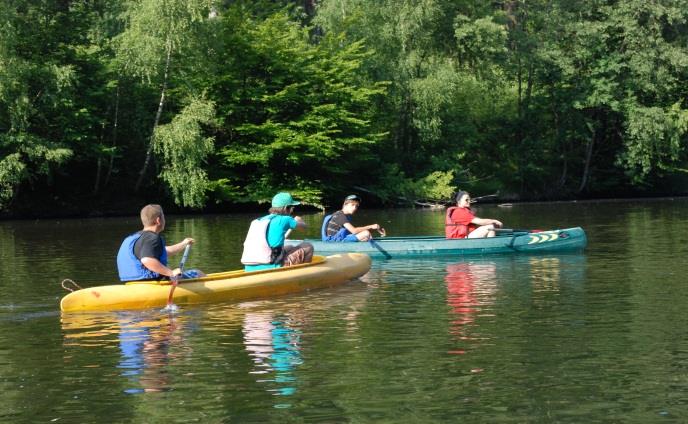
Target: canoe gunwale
(317,259)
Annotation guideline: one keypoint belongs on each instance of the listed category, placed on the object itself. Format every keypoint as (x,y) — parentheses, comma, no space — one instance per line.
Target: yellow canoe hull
(224,286)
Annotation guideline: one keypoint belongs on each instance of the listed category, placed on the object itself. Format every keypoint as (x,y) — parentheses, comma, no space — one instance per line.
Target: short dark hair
(352,198)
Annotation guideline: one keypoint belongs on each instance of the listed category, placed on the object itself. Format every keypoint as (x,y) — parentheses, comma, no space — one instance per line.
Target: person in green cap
(264,245)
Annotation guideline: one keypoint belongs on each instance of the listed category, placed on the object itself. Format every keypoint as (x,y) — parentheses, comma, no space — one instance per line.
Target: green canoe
(569,239)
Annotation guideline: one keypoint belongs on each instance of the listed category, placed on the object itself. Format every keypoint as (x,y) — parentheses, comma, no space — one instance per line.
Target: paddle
(487,196)
(380,248)
(513,230)
(175,279)
(376,245)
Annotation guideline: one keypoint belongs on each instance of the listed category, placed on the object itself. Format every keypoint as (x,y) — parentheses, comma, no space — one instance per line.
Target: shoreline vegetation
(207,106)
(133,210)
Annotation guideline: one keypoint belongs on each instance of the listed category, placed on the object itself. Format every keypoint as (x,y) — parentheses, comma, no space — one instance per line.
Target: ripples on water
(591,337)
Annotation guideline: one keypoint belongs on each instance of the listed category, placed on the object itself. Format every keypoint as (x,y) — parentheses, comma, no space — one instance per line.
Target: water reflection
(470,287)
(545,273)
(275,334)
(273,341)
(148,343)
(474,285)
(148,347)
(89,329)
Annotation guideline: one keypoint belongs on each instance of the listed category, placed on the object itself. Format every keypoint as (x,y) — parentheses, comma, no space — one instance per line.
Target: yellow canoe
(222,286)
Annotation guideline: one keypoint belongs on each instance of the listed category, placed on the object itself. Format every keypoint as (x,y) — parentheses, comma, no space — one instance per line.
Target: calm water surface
(599,336)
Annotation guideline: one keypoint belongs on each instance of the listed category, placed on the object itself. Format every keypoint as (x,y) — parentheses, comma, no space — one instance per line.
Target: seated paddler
(144,254)
(461,222)
(338,227)
(264,245)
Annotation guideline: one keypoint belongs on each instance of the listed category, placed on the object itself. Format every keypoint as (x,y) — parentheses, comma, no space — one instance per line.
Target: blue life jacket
(323,229)
(341,234)
(130,267)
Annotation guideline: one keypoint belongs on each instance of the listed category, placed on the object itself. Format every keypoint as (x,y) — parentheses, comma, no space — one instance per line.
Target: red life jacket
(454,230)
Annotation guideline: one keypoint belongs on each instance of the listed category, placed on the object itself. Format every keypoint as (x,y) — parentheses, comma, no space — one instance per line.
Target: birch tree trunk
(149,151)
(115,126)
(588,159)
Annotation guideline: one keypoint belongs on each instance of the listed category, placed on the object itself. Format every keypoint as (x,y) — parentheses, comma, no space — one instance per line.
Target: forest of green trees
(215,104)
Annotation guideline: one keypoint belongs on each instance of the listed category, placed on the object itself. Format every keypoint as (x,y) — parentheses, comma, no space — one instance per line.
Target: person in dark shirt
(143,255)
(338,226)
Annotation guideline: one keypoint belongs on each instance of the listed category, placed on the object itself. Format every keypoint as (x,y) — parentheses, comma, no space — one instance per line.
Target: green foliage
(154,29)
(184,151)
(306,116)
(11,170)
(654,139)
(35,97)
(395,187)
(263,188)
(406,98)
(437,186)
(481,42)
(619,68)
(433,93)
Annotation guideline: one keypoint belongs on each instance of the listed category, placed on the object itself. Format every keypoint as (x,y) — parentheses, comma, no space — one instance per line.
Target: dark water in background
(600,336)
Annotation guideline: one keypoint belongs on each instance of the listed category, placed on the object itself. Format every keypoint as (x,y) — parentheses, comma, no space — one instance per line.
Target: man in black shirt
(143,255)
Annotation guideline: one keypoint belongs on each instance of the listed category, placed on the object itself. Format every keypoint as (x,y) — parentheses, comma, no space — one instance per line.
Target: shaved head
(150,213)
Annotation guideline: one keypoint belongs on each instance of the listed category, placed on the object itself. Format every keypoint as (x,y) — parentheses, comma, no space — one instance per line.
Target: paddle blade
(175,281)
(170,307)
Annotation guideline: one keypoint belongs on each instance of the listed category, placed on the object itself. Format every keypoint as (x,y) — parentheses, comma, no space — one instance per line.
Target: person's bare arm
(300,223)
(486,221)
(356,230)
(176,248)
(157,267)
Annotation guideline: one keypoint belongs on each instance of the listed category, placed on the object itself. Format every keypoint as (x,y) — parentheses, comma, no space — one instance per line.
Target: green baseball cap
(283,199)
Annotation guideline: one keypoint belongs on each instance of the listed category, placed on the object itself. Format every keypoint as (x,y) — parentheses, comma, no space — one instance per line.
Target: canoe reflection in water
(149,342)
(273,342)
(545,273)
(470,289)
